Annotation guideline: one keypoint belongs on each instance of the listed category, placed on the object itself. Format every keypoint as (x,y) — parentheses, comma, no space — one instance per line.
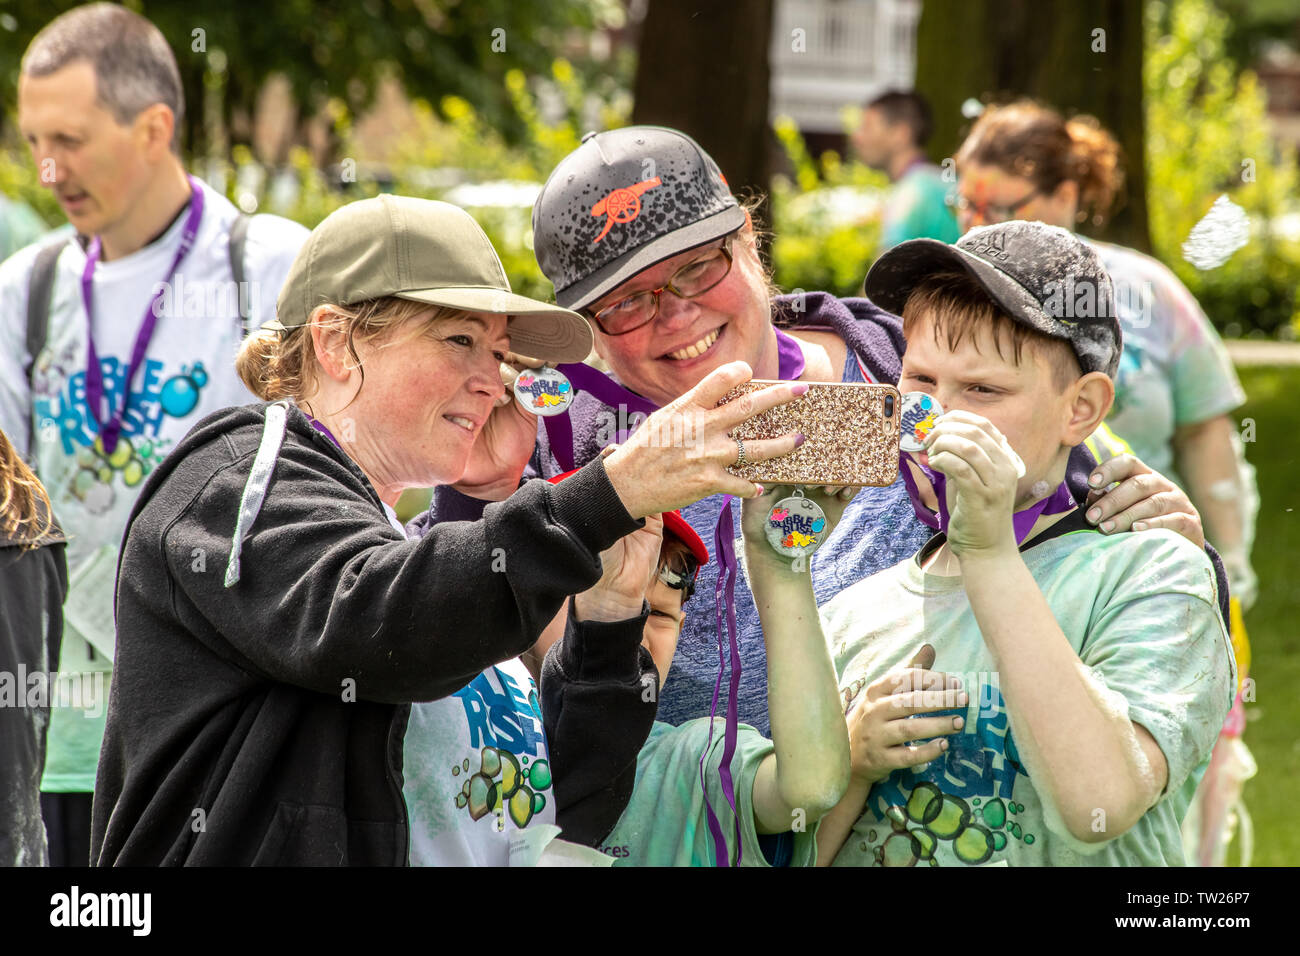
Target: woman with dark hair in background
(33,583)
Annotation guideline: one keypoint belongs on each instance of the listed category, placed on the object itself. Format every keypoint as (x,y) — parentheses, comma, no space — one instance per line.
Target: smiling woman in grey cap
(274,621)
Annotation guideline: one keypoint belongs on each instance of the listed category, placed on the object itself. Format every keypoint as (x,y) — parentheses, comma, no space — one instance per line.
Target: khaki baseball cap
(426,251)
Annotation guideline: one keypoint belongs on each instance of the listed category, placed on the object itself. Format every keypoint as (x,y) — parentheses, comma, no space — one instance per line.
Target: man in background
(113,343)
(891,137)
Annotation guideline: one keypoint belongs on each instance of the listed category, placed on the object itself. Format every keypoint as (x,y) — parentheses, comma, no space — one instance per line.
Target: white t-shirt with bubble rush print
(187,374)
(476,769)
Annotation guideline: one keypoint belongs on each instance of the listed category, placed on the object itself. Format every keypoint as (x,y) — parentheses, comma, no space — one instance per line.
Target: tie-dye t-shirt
(1141,612)
(666,821)
(1174,369)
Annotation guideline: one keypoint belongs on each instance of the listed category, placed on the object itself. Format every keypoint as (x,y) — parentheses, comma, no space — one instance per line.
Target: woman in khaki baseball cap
(275,623)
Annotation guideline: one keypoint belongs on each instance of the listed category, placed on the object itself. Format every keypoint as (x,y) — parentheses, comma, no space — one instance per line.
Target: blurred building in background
(827,55)
(1278,70)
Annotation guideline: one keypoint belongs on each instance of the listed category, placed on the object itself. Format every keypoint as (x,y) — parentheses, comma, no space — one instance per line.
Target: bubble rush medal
(543,391)
(796,526)
(917,420)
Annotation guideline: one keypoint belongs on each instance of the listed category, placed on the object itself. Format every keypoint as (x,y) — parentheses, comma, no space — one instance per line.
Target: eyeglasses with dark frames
(989,212)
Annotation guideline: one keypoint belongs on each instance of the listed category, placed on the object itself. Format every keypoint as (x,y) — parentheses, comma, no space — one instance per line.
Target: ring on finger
(741,460)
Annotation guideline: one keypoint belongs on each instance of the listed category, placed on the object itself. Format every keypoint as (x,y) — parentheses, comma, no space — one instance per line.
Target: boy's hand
(754,511)
(982,479)
(880,731)
(628,567)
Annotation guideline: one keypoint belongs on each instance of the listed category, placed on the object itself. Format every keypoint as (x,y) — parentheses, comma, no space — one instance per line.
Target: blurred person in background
(113,344)
(33,584)
(19,226)
(1175,388)
(891,137)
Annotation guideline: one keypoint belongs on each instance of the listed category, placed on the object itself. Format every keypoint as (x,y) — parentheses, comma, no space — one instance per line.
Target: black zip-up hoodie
(262,723)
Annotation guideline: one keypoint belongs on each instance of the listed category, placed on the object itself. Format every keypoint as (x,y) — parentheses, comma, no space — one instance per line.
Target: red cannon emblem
(622,205)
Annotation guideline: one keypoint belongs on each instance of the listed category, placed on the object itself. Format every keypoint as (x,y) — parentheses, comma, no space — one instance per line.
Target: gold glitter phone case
(851,429)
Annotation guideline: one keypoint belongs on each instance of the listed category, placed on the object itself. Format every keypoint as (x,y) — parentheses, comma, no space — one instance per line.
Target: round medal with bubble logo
(543,391)
(795,526)
(917,419)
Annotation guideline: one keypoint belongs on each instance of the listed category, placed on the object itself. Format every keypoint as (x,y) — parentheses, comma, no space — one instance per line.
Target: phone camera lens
(889,406)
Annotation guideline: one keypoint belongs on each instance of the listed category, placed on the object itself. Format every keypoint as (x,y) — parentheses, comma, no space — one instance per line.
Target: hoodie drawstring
(258,481)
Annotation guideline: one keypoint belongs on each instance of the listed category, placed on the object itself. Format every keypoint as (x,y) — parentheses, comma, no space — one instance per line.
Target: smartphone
(851,429)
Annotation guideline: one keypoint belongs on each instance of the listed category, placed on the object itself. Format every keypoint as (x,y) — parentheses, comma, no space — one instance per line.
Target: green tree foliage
(1207,135)
(453,146)
(463,48)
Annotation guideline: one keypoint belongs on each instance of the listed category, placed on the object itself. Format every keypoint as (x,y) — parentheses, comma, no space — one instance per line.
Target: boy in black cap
(1089,673)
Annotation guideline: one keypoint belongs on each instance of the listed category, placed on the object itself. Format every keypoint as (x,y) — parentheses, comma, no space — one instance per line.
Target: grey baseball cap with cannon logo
(623,201)
(426,251)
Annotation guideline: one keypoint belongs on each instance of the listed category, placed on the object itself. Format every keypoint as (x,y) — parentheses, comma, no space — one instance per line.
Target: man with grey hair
(114,344)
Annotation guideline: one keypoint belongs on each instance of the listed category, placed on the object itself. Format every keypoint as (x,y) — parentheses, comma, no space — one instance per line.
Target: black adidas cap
(623,201)
(1042,276)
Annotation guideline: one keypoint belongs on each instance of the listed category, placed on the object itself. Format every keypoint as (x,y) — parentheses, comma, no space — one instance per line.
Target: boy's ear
(1092,396)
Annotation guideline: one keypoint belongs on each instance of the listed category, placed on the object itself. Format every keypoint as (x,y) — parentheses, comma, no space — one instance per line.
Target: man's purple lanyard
(917,161)
(790,365)
(1022,522)
(110,426)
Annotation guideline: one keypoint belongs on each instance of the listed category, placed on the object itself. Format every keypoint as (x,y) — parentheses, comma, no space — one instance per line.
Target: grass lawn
(1273,796)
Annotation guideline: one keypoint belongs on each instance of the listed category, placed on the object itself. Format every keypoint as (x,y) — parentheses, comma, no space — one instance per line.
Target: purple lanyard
(111,427)
(790,365)
(1022,522)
